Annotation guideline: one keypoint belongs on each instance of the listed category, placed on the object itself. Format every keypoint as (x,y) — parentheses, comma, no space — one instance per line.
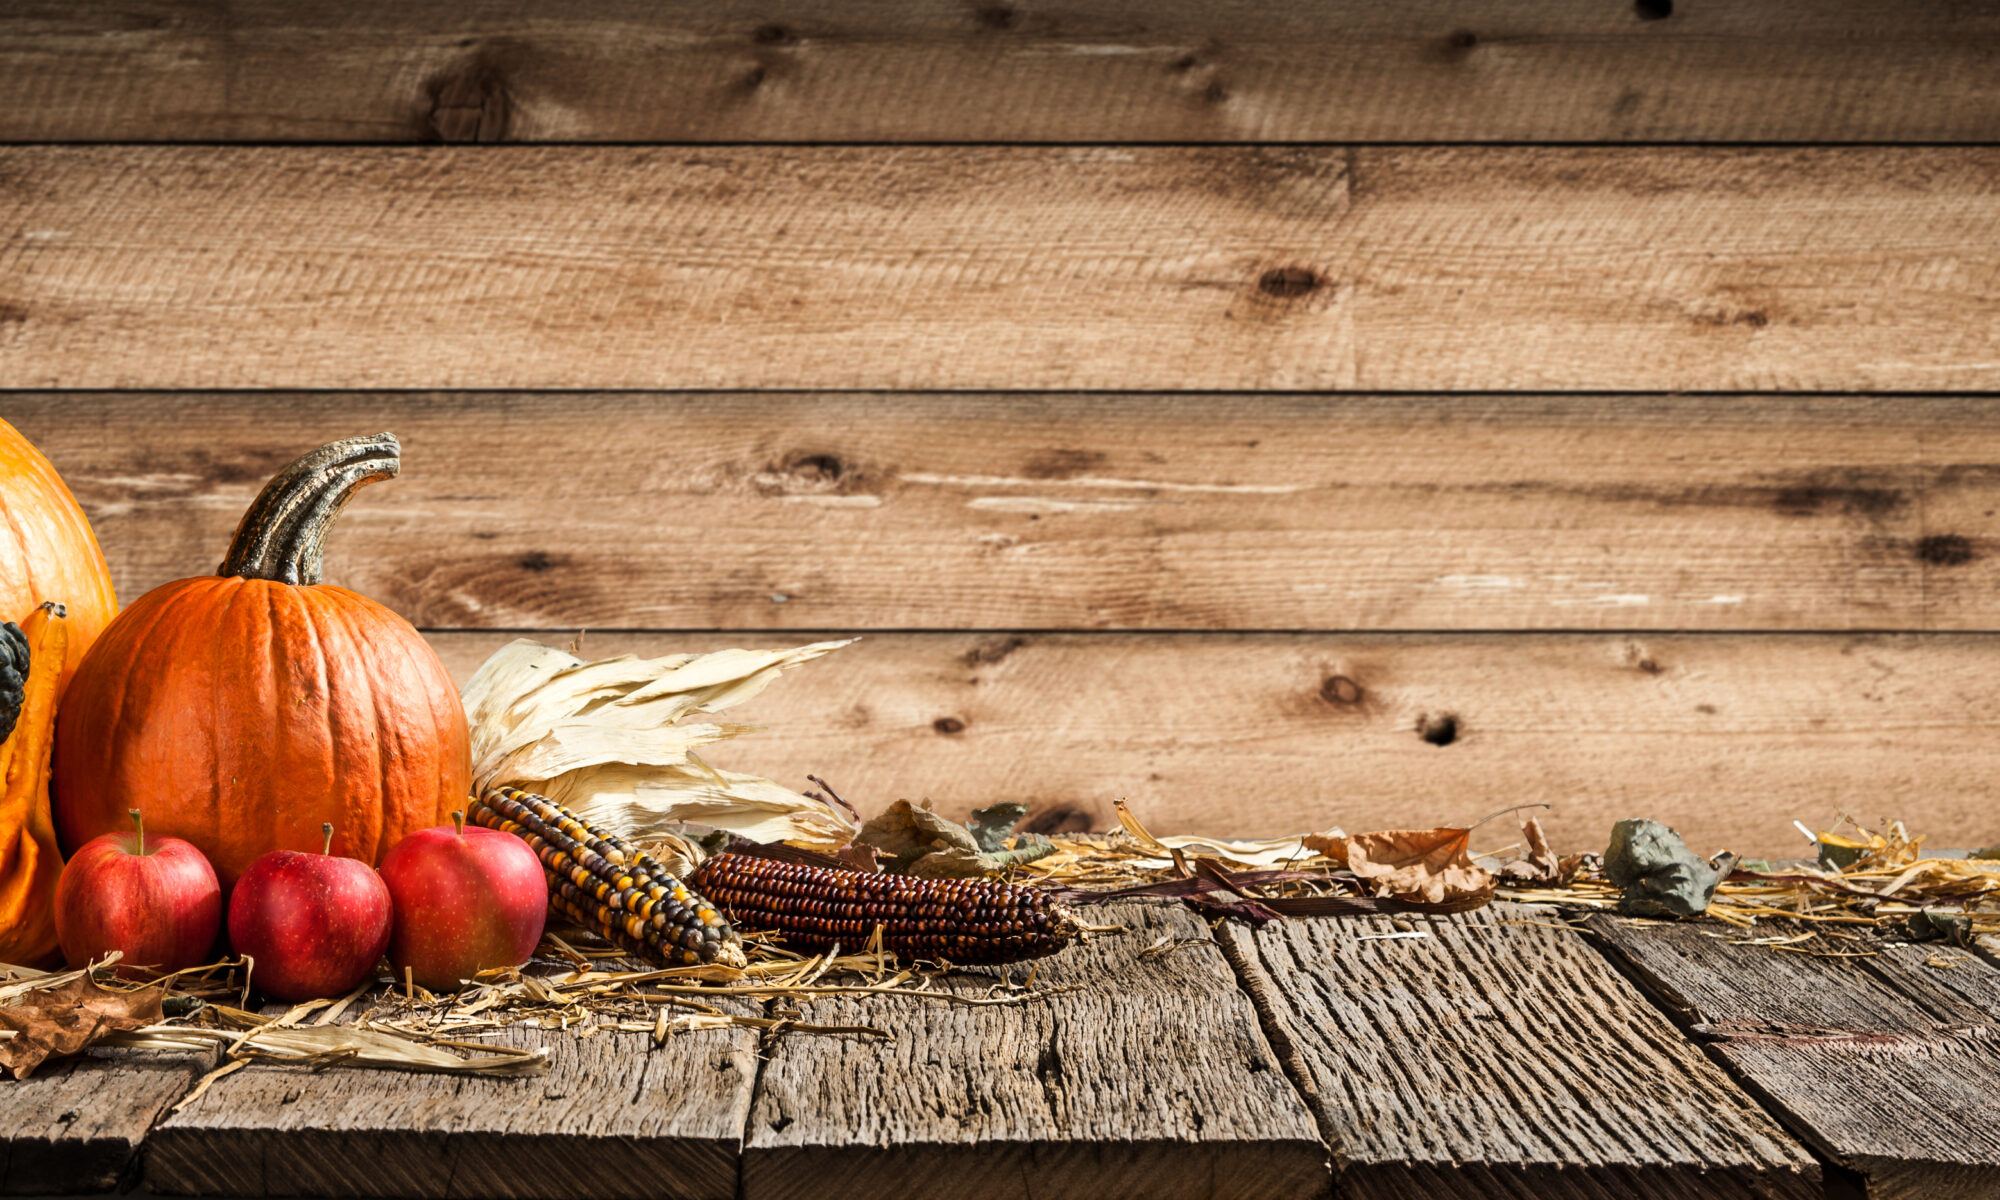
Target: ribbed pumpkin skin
(47,551)
(240,714)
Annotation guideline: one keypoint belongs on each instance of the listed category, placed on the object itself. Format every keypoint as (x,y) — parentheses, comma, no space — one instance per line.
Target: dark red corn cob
(960,920)
(605,884)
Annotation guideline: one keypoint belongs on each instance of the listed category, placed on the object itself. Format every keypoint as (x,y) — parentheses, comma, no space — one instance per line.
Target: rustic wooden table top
(1512,1052)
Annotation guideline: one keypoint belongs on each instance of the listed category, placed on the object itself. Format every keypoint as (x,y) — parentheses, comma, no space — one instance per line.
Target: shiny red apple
(156,902)
(314,924)
(466,900)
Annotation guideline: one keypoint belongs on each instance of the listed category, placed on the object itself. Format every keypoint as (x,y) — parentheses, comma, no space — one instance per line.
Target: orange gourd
(30,864)
(241,711)
(47,551)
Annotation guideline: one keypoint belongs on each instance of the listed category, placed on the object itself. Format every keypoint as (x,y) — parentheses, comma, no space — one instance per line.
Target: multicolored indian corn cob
(962,920)
(604,883)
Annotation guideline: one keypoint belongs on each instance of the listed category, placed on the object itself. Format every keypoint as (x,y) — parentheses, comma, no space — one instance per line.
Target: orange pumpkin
(29,862)
(47,552)
(242,710)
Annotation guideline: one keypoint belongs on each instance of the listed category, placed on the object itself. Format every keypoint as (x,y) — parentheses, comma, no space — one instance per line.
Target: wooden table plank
(1726,738)
(1185,268)
(1150,1079)
(1499,1056)
(939,511)
(76,1126)
(1888,1065)
(887,70)
(614,1118)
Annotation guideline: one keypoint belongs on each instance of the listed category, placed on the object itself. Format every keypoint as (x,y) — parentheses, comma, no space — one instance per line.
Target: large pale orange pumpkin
(29,861)
(47,552)
(242,710)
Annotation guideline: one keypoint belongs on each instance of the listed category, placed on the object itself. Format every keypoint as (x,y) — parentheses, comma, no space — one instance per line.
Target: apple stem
(327,829)
(138,823)
(458,819)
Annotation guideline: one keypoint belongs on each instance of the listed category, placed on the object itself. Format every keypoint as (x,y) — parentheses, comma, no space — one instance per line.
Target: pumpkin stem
(283,536)
(138,823)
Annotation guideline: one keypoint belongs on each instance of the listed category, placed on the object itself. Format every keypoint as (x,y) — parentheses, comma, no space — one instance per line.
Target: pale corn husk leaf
(553,753)
(1234,852)
(644,804)
(602,738)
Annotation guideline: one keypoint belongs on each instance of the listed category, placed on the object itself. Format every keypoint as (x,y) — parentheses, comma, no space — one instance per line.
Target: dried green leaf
(1660,876)
(993,825)
(1930,925)
(904,833)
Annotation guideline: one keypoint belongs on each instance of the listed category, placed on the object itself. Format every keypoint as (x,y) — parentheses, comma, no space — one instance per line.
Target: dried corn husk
(325,1045)
(603,739)
(1233,852)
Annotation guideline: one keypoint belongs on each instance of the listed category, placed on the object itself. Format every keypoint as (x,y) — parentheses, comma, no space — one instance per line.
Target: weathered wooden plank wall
(1216,473)
(999,70)
(1090,511)
(1162,268)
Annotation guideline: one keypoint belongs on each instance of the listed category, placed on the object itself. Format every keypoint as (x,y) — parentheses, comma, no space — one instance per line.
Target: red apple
(156,902)
(314,924)
(466,900)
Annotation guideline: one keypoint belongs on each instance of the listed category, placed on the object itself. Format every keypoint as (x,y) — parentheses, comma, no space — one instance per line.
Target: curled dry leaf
(904,833)
(603,739)
(1540,866)
(916,841)
(50,1022)
(1419,866)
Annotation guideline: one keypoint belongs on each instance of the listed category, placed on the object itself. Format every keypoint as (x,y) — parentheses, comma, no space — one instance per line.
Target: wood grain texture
(76,1126)
(1079,512)
(1498,1056)
(613,1118)
(1888,1065)
(1151,1078)
(1002,267)
(1727,739)
(889,70)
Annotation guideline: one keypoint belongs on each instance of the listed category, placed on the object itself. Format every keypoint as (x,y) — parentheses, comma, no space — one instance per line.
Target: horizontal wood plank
(1095,268)
(1887,1064)
(615,1118)
(1726,738)
(679,511)
(1497,1054)
(1143,1077)
(76,1125)
(889,70)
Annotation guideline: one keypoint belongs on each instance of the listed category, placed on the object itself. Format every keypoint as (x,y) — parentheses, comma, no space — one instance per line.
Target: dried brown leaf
(1540,867)
(1418,866)
(52,1022)
(1332,846)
